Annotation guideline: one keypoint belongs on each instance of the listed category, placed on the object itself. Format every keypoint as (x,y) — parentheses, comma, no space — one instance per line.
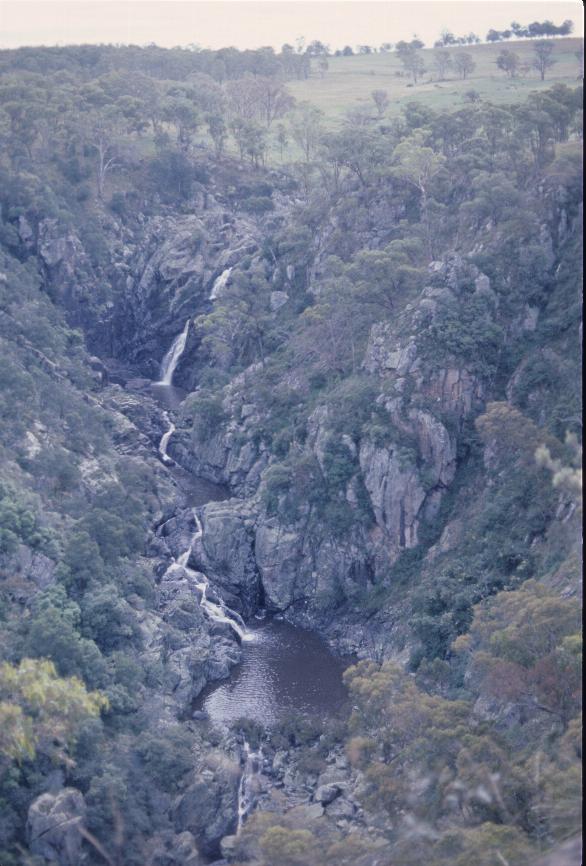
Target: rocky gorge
(268,431)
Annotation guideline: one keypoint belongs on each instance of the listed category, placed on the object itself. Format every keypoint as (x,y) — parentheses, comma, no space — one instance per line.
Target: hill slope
(350,81)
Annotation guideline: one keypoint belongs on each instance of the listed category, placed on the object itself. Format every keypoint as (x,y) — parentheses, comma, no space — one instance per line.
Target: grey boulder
(53,826)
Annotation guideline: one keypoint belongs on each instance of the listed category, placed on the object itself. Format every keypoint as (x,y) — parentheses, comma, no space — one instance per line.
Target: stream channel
(284,669)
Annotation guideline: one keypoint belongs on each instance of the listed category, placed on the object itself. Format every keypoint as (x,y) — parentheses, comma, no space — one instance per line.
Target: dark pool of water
(284,670)
(197,491)
(167,396)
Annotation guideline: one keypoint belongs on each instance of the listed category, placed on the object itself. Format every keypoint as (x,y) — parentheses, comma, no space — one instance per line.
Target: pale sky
(246,24)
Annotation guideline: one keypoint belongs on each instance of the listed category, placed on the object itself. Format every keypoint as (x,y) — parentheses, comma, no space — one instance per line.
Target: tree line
(535,30)
(289,62)
(96,126)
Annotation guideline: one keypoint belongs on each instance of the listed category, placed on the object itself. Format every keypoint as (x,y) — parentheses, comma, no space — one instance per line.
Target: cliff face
(158,271)
(304,570)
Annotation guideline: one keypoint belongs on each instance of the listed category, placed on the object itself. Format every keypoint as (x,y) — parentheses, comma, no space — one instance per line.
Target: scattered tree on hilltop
(410,57)
(464,64)
(508,61)
(543,59)
(448,38)
(442,61)
(317,49)
(493,36)
(532,31)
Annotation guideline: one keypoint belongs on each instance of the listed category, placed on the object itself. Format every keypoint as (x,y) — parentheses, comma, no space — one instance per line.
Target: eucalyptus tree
(251,139)
(179,110)
(442,61)
(242,97)
(24,111)
(104,132)
(381,100)
(218,131)
(464,64)
(410,57)
(418,164)
(282,138)
(509,62)
(355,148)
(273,99)
(543,59)
(307,128)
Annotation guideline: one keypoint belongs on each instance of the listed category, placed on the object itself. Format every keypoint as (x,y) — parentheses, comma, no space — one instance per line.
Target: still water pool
(284,670)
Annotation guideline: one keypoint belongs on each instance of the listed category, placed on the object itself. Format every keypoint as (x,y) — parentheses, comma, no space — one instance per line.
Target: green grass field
(350,80)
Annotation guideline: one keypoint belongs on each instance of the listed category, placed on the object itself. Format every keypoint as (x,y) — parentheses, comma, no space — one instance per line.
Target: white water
(171,359)
(220,284)
(165,439)
(246,792)
(218,612)
(168,367)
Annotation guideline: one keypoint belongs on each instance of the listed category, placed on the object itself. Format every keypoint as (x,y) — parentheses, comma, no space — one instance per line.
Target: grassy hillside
(349,81)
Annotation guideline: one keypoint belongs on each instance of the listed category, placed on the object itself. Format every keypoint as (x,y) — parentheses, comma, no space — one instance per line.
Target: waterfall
(218,612)
(220,284)
(252,769)
(171,359)
(165,439)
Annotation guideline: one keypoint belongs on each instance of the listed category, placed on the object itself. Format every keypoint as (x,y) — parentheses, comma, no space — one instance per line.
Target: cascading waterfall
(168,367)
(165,439)
(218,612)
(171,359)
(246,793)
(220,284)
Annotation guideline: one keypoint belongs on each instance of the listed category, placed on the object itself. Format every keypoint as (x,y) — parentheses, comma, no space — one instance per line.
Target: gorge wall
(395,472)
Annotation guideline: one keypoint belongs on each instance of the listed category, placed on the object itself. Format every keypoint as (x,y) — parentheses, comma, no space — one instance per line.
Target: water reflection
(283,670)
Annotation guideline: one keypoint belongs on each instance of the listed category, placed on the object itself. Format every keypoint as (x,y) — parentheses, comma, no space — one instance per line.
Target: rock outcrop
(53,827)
(207,809)
(170,271)
(177,849)
(178,635)
(300,566)
(226,552)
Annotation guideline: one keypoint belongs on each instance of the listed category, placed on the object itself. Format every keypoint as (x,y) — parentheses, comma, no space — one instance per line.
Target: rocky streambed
(231,661)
